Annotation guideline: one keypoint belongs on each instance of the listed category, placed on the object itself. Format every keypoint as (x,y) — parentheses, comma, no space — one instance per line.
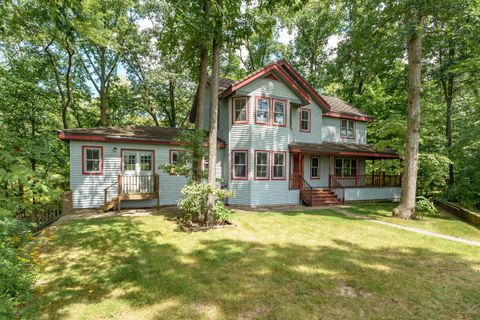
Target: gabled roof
(331,106)
(134,134)
(271,68)
(346,149)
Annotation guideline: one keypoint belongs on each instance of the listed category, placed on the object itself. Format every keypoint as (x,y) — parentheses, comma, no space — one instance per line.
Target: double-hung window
(240,165)
(279,112)
(347,129)
(314,167)
(345,167)
(278,165)
(205,163)
(262,110)
(92,160)
(240,110)
(305,120)
(261,165)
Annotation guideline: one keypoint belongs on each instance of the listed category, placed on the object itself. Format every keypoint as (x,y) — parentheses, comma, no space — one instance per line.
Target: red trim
(284,165)
(345,116)
(232,164)
(92,173)
(271,76)
(354,128)
(300,120)
(127,149)
(255,110)
(255,165)
(357,170)
(284,113)
(273,67)
(318,168)
(247,116)
(170,157)
(86,137)
(309,88)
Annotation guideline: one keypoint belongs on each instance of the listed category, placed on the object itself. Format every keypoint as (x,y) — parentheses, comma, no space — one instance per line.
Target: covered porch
(351,172)
(131,187)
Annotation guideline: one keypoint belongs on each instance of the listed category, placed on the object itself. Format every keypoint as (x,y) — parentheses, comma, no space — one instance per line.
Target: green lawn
(273,265)
(442,222)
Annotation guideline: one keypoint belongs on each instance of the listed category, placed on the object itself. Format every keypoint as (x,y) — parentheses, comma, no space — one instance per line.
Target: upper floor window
(240,110)
(205,163)
(262,110)
(305,120)
(345,167)
(347,129)
(279,112)
(278,165)
(92,160)
(261,165)
(240,165)
(314,167)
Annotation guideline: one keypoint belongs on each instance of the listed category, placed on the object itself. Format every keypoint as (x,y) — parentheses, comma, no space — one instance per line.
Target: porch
(131,187)
(333,173)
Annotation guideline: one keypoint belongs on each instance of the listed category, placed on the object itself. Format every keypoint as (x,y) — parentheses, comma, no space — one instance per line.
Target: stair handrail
(306,186)
(105,193)
(336,184)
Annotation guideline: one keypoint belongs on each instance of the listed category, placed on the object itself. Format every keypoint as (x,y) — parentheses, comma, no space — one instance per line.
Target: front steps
(319,198)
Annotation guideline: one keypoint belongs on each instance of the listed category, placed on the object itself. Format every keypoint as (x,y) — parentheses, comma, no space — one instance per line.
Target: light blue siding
(364,194)
(87,190)
(331,131)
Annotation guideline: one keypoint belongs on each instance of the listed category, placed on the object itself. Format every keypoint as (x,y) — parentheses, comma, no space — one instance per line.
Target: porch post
(357,171)
(329,171)
(373,172)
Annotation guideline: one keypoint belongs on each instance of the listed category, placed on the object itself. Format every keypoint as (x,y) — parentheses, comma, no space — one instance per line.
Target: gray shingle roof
(339,106)
(339,148)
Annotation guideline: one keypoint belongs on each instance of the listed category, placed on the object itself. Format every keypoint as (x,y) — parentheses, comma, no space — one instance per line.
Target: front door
(137,171)
(296,170)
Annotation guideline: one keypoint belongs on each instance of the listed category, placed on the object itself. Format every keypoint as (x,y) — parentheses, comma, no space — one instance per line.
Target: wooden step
(110,205)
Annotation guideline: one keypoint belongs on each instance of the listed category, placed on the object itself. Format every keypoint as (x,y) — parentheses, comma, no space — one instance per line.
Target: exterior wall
(331,131)
(363,194)
(87,190)
(315,134)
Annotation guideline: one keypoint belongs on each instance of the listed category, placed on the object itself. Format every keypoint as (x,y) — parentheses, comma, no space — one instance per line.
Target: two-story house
(280,142)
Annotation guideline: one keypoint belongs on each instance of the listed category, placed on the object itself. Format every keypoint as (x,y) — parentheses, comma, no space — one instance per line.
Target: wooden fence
(45,215)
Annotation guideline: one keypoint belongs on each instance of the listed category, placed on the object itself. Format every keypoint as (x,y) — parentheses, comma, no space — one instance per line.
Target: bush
(424,207)
(16,274)
(195,201)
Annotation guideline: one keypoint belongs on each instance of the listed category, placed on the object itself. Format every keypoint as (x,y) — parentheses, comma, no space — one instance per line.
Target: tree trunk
(406,208)
(103,89)
(447,85)
(212,138)
(173,114)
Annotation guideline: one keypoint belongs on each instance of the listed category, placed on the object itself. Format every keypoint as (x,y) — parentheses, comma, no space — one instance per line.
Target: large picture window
(305,120)
(262,110)
(240,165)
(92,160)
(261,165)
(347,129)
(240,110)
(345,167)
(279,112)
(314,167)
(278,165)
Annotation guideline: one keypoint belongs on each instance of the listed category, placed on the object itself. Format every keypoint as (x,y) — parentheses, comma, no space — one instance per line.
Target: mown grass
(273,265)
(442,222)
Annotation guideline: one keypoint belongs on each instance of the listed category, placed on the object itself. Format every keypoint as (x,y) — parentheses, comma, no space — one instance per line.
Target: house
(279,142)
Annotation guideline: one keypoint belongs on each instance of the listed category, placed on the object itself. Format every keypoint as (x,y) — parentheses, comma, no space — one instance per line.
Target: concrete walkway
(411,229)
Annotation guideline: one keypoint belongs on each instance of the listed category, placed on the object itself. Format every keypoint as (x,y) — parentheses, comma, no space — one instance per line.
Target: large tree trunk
(173,113)
(406,208)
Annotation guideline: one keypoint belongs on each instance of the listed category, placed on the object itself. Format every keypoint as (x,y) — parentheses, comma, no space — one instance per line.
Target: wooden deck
(133,187)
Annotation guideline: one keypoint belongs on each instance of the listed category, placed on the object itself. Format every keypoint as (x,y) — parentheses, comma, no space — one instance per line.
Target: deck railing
(134,184)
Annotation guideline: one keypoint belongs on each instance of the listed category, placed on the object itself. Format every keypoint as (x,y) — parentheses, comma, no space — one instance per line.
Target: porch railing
(370,181)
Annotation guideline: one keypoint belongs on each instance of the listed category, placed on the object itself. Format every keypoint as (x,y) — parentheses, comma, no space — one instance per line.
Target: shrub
(424,207)
(195,201)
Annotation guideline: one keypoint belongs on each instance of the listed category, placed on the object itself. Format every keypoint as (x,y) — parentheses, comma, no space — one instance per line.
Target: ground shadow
(121,258)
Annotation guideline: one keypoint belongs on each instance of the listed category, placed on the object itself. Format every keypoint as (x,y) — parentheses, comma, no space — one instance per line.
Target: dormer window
(347,129)
(305,120)
(262,110)
(240,110)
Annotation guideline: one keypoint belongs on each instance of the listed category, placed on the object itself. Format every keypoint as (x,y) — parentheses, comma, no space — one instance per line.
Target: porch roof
(343,149)
(132,134)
